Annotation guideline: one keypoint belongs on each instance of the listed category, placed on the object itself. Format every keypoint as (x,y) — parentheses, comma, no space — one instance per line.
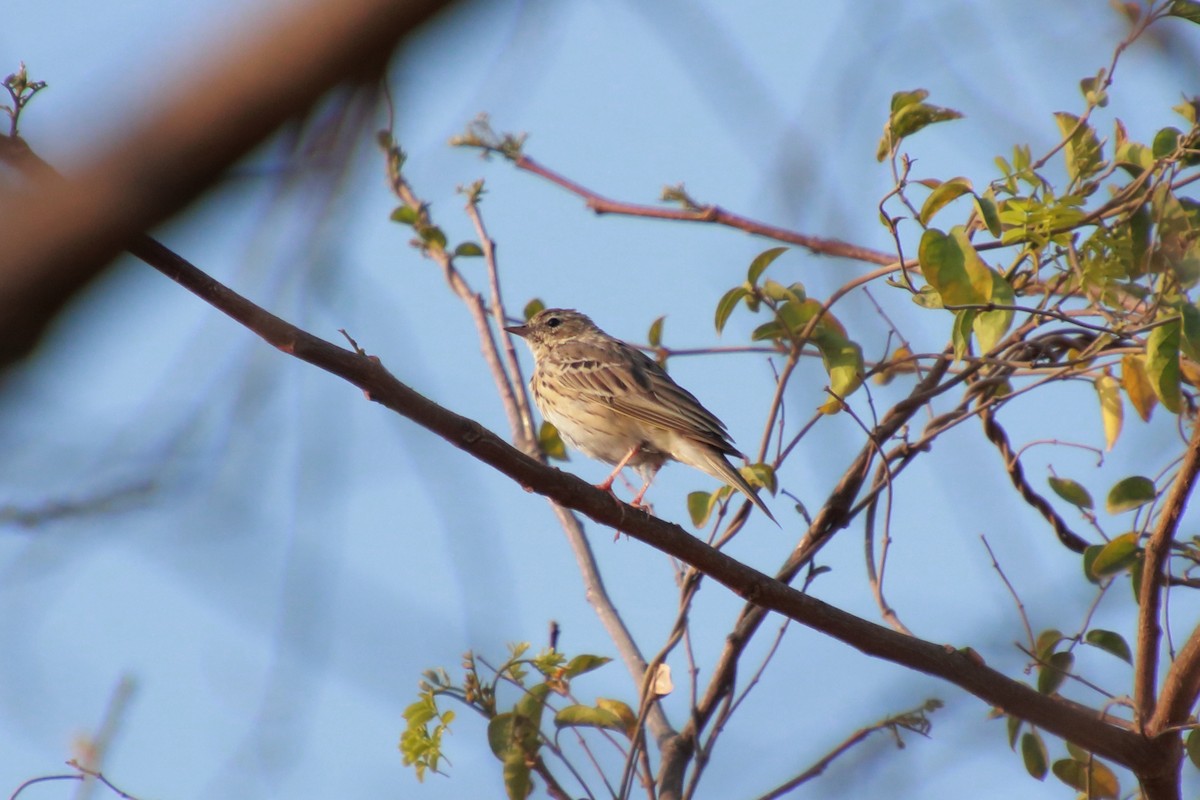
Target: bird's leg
(636,502)
(606,485)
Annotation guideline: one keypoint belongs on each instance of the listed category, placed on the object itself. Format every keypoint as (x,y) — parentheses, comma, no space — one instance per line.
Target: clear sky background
(278,559)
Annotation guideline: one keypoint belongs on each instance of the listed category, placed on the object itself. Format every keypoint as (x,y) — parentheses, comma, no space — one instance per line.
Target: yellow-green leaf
(1082,149)
(700,506)
(550,443)
(1054,672)
(727,304)
(1193,746)
(1093,778)
(1162,364)
(1033,751)
(761,262)
(623,712)
(533,307)
(991,326)
(1130,493)
(1112,411)
(985,206)
(654,337)
(581,716)
(1071,491)
(953,268)
(1137,386)
(1110,642)
(942,196)
(1116,556)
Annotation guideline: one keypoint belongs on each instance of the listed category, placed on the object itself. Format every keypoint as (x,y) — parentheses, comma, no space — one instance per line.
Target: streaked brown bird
(612,402)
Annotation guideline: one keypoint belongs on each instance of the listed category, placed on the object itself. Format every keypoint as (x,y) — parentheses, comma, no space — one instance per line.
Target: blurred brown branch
(59,232)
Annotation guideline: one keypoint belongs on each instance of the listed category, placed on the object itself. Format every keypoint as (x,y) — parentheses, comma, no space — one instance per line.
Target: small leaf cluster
(515,732)
(796,320)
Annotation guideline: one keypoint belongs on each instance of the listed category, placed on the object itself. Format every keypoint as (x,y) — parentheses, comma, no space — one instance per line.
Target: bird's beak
(518,330)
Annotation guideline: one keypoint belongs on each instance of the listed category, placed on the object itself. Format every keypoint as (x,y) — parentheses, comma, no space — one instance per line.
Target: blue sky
(283,558)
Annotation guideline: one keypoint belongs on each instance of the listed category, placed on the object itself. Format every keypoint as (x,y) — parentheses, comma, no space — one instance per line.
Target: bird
(614,403)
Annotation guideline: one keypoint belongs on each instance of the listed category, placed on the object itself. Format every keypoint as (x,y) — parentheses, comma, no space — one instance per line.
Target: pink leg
(636,502)
(606,485)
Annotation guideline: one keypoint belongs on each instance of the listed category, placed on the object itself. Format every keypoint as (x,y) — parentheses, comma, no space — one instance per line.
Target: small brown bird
(612,402)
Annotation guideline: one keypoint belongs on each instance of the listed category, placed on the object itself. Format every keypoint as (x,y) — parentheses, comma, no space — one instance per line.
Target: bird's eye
(553,322)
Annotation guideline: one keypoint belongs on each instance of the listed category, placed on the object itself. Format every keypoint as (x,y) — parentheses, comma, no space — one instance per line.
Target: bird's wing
(635,385)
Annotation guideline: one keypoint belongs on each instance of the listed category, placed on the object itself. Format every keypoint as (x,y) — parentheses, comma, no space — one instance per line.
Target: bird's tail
(714,463)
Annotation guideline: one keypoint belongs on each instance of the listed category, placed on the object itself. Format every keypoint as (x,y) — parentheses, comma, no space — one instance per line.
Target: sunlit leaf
(960,335)
(1116,556)
(727,304)
(1033,751)
(1189,342)
(533,307)
(1130,493)
(953,268)
(700,505)
(1014,727)
(1110,642)
(654,336)
(1046,642)
(623,712)
(1162,364)
(1192,743)
(1097,780)
(405,215)
(942,196)
(761,475)
(584,663)
(761,262)
(662,685)
(1137,386)
(1112,412)
(468,249)
(1186,9)
(985,206)
(550,443)
(1082,149)
(1071,491)
(991,326)
(910,114)
(581,716)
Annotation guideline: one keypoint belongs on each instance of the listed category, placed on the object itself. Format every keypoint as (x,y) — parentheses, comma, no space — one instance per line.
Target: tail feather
(714,463)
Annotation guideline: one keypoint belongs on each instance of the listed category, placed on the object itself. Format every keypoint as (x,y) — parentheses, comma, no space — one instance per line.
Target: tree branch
(59,233)
(1158,550)
(960,667)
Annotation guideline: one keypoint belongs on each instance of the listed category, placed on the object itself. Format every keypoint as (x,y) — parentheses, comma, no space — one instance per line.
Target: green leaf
(961,332)
(928,297)
(700,506)
(985,205)
(1033,751)
(1130,493)
(1072,491)
(434,236)
(942,196)
(580,716)
(1137,385)
(518,782)
(843,361)
(953,268)
(1112,412)
(532,308)
(550,443)
(1047,640)
(654,337)
(1089,560)
(727,304)
(468,249)
(499,733)
(1165,142)
(1189,342)
(1110,642)
(623,712)
(405,215)
(1192,744)
(909,114)
(1054,672)
(1082,150)
(1116,556)
(1186,9)
(1094,778)
(1162,364)
(584,663)
(991,326)
(1014,727)
(761,262)
(1135,577)
(761,475)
